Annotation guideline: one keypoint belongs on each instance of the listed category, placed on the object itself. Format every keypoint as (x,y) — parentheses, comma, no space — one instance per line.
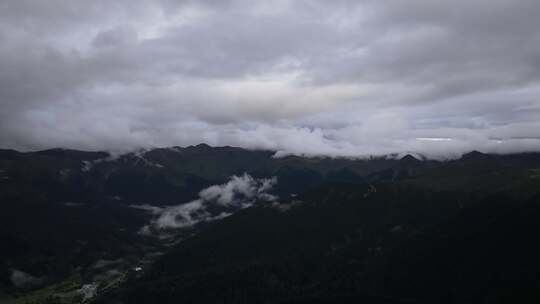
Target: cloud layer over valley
(215,202)
(315,77)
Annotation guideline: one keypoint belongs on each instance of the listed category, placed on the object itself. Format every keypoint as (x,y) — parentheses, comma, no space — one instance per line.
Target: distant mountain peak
(475,155)
(201,146)
(409,158)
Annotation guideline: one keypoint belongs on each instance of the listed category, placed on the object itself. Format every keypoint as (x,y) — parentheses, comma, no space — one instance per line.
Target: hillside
(383,230)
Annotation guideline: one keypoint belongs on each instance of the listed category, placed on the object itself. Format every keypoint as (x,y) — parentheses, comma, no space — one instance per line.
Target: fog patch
(88,291)
(108,275)
(22,279)
(87,165)
(283,207)
(101,263)
(149,208)
(214,203)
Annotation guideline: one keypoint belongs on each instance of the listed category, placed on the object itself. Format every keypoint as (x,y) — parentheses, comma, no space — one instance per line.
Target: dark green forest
(396,229)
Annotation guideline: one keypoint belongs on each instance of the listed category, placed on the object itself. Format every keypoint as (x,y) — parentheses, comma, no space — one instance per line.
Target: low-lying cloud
(215,202)
(20,278)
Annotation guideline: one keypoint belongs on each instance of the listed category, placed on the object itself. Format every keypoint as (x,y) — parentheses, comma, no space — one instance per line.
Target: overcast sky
(334,77)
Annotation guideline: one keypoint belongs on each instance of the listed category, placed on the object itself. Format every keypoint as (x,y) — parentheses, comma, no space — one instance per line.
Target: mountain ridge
(58,151)
(66,211)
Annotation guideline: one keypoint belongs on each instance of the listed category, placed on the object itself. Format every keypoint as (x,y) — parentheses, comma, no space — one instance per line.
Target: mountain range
(395,229)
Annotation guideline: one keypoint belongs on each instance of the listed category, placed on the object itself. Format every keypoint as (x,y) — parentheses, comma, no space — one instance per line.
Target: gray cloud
(343,78)
(214,202)
(20,279)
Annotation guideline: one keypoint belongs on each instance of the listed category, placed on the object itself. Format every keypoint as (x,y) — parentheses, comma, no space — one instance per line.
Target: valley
(224,224)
